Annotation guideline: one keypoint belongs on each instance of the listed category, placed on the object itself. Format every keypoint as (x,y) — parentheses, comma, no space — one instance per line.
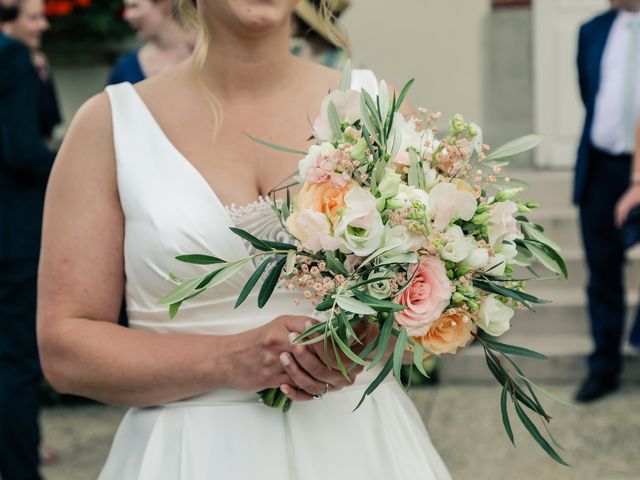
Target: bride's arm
(83,350)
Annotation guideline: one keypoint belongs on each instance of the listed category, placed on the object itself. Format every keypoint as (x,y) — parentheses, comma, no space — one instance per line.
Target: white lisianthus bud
(359,150)
(402,239)
(508,194)
(494,316)
(390,184)
(457,247)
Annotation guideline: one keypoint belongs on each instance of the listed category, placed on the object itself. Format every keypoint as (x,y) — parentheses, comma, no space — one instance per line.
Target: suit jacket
(25,159)
(591,43)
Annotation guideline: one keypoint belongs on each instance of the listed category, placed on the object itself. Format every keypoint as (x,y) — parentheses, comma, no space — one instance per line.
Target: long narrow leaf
(273,146)
(505,414)
(200,259)
(537,436)
(270,282)
(252,282)
(378,380)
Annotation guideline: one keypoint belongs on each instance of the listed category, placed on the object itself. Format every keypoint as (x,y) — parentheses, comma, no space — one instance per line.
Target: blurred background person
(27,27)
(167,43)
(25,163)
(609,78)
(311,37)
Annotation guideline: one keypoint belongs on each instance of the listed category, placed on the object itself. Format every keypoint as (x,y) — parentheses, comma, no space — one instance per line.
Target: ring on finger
(319,396)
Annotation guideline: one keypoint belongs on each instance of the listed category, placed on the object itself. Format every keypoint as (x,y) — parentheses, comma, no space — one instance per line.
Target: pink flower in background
(425,298)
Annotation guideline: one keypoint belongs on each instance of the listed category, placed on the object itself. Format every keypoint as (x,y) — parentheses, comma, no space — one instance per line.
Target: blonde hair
(187,14)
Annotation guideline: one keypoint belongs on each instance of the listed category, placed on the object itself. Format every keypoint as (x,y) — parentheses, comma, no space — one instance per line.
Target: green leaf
(398,354)
(325,305)
(537,436)
(279,148)
(416,173)
(334,264)
(334,120)
(521,297)
(348,352)
(378,380)
(199,259)
(545,392)
(279,245)
(345,79)
(339,361)
(181,292)
(404,91)
(519,145)
(291,262)
(270,283)
(536,234)
(257,243)
(222,275)
(513,350)
(377,304)
(548,257)
(505,414)
(418,358)
(252,282)
(496,369)
(385,335)
(173,309)
(352,305)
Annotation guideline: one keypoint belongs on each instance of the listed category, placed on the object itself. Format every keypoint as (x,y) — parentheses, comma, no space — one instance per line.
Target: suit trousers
(20,374)
(607,180)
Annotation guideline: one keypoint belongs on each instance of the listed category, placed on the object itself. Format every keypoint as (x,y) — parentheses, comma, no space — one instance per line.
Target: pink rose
(425,298)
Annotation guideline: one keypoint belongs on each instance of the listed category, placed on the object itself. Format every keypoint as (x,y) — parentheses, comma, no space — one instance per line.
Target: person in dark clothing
(25,163)
(609,76)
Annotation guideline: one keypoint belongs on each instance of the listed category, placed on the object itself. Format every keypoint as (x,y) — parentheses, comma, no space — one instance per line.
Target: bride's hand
(314,371)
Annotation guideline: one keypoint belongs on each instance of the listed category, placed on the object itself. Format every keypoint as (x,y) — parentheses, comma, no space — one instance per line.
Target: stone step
(566,360)
(566,315)
(579,272)
(552,189)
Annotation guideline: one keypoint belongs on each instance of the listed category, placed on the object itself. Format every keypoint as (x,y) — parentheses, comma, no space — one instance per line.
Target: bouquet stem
(273,397)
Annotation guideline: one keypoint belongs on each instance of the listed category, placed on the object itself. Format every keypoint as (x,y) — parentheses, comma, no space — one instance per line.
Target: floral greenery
(98,25)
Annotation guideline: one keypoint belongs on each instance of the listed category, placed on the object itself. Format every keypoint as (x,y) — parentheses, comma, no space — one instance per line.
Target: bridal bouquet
(407,227)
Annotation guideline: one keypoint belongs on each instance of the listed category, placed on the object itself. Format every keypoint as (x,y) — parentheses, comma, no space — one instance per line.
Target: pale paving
(603,440)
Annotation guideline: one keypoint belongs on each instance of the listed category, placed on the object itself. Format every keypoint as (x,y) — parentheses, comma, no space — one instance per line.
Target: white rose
(360,228)
(503,225)
(494,316)
(348,108)
(457,246)
(450,203)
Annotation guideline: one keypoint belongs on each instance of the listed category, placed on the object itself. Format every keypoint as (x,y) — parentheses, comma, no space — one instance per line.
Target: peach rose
(425,298)
(317,208)
(447,334)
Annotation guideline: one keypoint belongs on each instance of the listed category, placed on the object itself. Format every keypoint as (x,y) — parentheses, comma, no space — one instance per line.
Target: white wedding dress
(170,209)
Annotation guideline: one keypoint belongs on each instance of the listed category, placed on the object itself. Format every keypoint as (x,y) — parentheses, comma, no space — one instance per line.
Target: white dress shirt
(609,128)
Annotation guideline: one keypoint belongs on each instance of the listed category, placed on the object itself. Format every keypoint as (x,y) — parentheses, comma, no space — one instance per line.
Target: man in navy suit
(609,77)
(25,163)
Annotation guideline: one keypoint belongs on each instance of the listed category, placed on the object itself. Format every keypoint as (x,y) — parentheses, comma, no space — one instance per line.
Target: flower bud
(508,194)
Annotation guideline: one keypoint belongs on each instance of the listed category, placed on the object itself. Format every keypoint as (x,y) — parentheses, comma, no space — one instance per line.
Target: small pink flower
(425,298)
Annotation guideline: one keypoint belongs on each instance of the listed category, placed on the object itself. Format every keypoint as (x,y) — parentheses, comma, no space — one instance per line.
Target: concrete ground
(602,440)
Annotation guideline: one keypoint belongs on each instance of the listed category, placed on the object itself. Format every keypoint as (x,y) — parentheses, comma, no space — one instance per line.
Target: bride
(165,168)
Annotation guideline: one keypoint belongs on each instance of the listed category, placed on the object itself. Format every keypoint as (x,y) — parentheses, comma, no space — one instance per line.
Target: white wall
(437,42)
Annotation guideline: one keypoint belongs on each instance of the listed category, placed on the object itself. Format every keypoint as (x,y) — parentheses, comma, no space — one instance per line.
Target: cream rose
(448,334)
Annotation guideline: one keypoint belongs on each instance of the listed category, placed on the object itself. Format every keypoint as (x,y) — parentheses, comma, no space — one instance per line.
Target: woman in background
(167,42)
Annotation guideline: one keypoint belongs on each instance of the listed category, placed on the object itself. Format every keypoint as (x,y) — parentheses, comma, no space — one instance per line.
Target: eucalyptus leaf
(252,282)
(377,304)
(227,272)
(352,305)
(548,257)
(181,292)
(378,380)
(513,350)
(345,79)
(270,282)
(276,147)
(199,259)
(398,354)
(334,264)
(539,236)
(334,120)
(385,336)
(257,243)
(519,145)
(291,262)
(505,414)
(537,436)
(418,358)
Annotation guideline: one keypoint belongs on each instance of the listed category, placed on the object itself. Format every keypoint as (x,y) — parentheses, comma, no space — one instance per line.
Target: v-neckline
(183,158)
